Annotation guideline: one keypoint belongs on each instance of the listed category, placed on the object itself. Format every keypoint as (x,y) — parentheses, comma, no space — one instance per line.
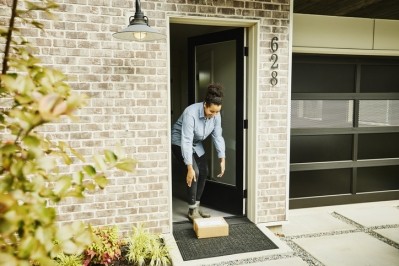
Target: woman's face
(211,110)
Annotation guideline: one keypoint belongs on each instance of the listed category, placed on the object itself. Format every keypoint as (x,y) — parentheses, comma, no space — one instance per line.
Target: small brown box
(211,227)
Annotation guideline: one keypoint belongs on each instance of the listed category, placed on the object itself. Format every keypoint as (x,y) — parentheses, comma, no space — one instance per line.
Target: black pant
(200,166)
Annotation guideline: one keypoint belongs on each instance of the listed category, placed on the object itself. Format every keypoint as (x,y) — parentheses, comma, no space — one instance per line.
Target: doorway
(201,55)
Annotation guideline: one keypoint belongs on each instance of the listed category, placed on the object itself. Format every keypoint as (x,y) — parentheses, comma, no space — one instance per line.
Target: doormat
(244,236)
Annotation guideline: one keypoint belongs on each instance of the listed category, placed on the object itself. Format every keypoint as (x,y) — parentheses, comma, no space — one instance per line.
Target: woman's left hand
(222,167)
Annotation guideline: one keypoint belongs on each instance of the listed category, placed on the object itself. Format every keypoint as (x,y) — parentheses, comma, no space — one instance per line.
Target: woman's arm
(187,136)
(222,167)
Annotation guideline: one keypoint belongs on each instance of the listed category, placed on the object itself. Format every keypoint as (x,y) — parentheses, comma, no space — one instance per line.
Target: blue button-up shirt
(192,128)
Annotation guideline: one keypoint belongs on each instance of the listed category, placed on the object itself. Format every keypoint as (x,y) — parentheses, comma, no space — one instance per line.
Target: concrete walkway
(354,235)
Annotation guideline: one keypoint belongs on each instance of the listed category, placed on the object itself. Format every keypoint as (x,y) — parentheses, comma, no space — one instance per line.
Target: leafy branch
(30,177)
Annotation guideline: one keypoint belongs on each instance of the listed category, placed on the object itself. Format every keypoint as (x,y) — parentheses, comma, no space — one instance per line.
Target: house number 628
(274,59)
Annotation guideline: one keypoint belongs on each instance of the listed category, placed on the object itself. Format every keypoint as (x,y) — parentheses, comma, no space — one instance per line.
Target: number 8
(274,80)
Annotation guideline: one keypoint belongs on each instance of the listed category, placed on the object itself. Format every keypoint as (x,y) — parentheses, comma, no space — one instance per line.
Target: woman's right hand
(190,175)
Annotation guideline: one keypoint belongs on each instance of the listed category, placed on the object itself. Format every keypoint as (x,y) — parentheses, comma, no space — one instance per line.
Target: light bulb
(139,35)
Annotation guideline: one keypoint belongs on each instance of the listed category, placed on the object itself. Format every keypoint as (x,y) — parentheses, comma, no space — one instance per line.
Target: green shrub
(106,247)
(69,260)
(145,248)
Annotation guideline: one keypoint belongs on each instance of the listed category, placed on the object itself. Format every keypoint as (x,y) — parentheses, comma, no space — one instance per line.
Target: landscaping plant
(69,260)
(32,96)
(106,247)
(145,248)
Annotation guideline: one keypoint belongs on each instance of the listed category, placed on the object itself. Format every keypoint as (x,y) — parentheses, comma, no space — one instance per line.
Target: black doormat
(244,236)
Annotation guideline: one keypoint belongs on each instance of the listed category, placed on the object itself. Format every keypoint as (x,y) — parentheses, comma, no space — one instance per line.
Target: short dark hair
(214,94)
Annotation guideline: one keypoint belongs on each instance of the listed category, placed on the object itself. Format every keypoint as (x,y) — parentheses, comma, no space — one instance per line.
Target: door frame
(250,110)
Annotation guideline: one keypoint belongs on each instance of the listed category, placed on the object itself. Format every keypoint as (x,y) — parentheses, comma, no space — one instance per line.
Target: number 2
(274,58)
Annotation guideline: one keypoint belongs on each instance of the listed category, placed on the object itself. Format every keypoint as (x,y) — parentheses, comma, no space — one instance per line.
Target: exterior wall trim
(252,115)
(289,93)
(169,133)
(319,50)
(228,22)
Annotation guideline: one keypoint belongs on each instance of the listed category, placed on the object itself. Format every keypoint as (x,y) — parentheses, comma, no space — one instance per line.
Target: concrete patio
(355,235)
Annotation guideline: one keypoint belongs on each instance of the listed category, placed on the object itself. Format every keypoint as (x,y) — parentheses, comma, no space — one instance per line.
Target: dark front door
(219,58)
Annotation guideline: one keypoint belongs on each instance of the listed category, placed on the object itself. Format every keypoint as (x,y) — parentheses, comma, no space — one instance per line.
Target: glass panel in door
(214,64)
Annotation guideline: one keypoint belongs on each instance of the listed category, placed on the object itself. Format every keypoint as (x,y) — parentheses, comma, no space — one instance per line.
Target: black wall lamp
(138,28)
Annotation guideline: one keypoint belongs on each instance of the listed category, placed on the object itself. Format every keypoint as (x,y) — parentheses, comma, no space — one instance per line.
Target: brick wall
(128,87)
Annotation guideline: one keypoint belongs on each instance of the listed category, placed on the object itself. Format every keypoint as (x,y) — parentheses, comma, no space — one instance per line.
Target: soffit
(377,9)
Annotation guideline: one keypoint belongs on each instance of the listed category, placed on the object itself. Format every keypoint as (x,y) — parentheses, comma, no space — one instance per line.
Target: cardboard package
(211,227)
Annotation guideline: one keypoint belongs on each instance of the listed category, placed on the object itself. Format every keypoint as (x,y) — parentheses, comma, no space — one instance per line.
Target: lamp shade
(138,28)
(138,32)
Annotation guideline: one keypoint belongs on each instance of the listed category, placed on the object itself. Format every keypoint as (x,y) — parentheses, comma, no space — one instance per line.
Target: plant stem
(9,36)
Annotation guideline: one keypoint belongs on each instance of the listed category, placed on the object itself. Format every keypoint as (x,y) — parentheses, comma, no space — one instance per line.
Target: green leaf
(6,202)
(46,193)
(7,228)
(62,185)
(7,259)
(37,24)
(65,157)
(99,162)
(47,104)
(128,165)
(9,149)
(74,193)
(21,84)
(46,214)
(45,235)
(31,141)
(64,233)
(46,163)
(16,168)
(77,177)
(69,247)
(77,154)
(110,156)
(90,186)
(46,261)
(23,99)
(101,181)
(85,238)
(26,246)
(90,170)
(62,145)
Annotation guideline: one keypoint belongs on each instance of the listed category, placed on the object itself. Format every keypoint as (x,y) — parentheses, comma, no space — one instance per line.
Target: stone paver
(313,224)
(373,216)
(350,249)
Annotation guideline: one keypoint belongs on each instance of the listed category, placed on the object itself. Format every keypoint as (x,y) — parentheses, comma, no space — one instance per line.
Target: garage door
(344,130)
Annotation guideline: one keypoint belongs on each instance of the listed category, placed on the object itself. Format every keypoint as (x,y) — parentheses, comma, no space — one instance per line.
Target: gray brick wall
(127,85)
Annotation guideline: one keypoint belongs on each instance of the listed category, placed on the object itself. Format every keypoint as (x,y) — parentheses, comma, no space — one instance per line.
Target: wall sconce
(138,28)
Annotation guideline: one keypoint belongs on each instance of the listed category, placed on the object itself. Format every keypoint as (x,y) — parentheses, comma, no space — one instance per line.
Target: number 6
(274,44)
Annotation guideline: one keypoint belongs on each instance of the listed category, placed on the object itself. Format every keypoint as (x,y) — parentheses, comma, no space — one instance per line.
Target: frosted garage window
(378,113)
(322,113)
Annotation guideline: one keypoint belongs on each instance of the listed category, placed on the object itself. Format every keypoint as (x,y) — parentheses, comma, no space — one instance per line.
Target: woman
(197,122)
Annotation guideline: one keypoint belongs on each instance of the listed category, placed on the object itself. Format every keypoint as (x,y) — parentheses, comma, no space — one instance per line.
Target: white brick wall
(127,85)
